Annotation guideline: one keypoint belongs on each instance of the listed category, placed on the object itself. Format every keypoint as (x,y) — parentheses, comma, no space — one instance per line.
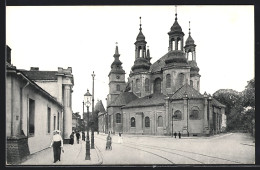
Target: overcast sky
(84,37)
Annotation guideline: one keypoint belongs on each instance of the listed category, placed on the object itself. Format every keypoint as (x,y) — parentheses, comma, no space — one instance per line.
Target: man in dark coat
(179,134)
(175,134)
(83,135)
(78,136)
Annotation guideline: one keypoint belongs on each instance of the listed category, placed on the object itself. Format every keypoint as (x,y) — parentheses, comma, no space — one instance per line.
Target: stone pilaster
(205,116)
(167,118)
(185,116)
(67,112)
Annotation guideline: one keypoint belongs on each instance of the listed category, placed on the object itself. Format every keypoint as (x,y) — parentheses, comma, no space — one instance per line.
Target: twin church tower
(159,97)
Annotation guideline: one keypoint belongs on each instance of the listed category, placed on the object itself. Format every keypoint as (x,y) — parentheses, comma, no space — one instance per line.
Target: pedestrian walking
(71,138)
(83,135)
(120,138)
(179,134)
(175,134)
(77,136)
(57,144)
(109,142)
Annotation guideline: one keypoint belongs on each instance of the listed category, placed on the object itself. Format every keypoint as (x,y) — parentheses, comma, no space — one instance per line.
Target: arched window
(147,83)
(198,83)
(177,115)
(168,81)
(138,84)
(118,118)
(117,87)
(195,114)
(160,121)
(147,121)
(172,44)
(191,83)
(132,122)
(157,85)
(181,79)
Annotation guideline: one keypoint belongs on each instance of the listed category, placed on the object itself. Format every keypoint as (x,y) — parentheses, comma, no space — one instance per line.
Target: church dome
(176,27)
(140,36)
(194,69)
(189,41)
(176,56)
(141,64)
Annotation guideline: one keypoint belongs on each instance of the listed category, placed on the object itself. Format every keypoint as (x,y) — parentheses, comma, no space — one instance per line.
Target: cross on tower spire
(175,12)
(140,24)
(189,27)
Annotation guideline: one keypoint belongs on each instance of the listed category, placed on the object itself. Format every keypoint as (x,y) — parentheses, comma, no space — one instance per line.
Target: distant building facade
(163,97)
(32,112)
(59,84)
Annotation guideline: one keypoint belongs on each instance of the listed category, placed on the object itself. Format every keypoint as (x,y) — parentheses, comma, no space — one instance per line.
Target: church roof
(123,99)
(41,75)
(189,90)
(154,99)
(217,103)
(100,107)
(159,64)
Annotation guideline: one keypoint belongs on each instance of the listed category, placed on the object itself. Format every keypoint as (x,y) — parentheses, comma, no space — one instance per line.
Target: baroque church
(163,97)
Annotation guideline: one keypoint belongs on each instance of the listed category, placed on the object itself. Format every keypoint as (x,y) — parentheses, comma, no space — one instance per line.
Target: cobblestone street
(230,148)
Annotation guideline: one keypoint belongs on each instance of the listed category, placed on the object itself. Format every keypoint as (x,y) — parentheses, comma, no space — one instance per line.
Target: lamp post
(87,102)
(92,128)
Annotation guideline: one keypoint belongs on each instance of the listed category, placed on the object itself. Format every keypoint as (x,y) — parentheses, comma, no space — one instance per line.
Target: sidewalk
(73,155)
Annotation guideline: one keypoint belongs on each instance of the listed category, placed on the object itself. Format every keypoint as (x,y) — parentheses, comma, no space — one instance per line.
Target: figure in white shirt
(57,144)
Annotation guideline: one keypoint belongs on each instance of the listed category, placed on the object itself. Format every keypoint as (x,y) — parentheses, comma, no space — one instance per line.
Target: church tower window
(157,85)
(132,122)
(147,121)
(147,83)
(191,83)
(181,79)
(117,87)
(138,85)
(168,81)
(160,121)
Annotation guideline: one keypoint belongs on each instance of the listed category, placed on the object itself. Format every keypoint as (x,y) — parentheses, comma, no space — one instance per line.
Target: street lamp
(92,123)
(87,102)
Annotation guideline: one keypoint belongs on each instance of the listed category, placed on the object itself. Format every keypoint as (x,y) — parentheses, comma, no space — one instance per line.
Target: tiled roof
(100,107)
(41,75)
(217,103)
(159,64)
(123,99)
(189,90)
(150,100)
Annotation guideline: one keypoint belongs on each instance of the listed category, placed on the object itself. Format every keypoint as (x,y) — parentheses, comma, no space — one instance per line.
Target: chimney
(34,69)
(8,54)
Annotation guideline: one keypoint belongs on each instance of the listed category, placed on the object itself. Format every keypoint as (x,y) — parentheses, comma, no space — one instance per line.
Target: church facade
(163,97)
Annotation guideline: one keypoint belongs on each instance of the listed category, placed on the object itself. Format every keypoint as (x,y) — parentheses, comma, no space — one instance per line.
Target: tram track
(170,151)
(209,156)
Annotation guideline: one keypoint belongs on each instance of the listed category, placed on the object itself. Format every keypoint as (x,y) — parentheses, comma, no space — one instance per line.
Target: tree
(240,107)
